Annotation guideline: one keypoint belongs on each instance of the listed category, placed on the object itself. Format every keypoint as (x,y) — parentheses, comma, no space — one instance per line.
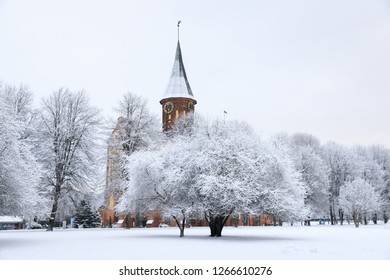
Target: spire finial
(178,30)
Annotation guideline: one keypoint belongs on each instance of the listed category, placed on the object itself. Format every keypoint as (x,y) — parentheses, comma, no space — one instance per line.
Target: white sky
(321,67)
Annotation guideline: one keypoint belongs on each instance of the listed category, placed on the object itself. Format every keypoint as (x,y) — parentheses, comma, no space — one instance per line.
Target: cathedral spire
(178,85)
(178,99)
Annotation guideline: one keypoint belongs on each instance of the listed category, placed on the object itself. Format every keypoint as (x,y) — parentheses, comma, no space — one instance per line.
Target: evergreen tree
(86,217)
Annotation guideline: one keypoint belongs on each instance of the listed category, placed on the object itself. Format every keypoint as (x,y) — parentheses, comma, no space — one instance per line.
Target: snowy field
(371,242)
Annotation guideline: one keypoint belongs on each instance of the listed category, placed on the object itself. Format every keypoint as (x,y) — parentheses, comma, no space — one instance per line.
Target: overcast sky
(320,67)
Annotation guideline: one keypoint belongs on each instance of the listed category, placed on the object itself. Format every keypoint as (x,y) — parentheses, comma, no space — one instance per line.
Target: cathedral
(177,101)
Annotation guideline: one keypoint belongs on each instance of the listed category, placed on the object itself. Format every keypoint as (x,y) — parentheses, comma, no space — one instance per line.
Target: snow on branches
(358,199)
(19,169)
(67,133)
(217,169)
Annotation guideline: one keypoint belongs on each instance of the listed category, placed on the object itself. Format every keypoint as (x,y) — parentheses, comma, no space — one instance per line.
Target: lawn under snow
(298,242)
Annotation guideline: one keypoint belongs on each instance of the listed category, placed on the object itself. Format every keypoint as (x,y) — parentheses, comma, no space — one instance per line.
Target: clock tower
(178,99)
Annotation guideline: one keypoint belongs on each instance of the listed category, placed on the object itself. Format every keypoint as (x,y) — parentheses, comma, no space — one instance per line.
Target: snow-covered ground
(371,242)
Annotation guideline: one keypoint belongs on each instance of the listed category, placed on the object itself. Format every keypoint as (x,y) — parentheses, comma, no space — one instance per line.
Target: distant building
(11,222)
(112,191)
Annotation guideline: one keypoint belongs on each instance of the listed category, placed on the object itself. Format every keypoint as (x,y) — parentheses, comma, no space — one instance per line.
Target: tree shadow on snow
(227,237)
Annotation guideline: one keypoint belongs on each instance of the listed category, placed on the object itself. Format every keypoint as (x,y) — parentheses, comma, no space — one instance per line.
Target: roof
(10,219)
(178,85)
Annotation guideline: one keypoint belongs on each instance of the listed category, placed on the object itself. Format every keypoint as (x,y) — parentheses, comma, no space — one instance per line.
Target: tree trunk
(127,221)
(245,219)
(50,224)
(332,216)
(53,213)
(385,218)
(138,218)
(216,225)
(341,216)
(356,219)
(375,219)
(181,224)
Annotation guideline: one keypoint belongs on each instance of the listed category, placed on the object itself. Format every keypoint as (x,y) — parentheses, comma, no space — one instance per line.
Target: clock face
(168,107)
(191,106)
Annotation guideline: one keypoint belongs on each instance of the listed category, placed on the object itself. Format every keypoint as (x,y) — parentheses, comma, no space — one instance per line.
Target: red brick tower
(178,99)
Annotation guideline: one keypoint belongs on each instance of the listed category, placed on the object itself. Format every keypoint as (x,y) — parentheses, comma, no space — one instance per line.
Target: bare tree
(67,133)
(137,122)
(132,132)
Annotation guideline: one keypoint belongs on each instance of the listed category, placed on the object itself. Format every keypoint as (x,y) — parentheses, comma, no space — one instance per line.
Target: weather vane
(178,26)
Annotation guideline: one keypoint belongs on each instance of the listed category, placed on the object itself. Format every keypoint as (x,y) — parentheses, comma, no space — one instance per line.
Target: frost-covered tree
(134,129)
(156,181)
(241,173)
(371,171)
(138,124)
(359,198)
(216,168)
(381,156)
(343,167)
(19,169)
(225,157)
(306,153)
(86,217)
(67,141)
(306,140)
(286,195)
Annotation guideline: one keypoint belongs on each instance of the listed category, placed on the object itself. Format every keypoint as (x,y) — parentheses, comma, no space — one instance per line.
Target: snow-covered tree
(306,153)
(371,171)
(217,169)
(381,156)
(306,140)
(343,167)
(86,217)
(286,195)
(241,173)
(359,198)
(138,124)
(154,184)
(19,169)
(67,141)
(134,129)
